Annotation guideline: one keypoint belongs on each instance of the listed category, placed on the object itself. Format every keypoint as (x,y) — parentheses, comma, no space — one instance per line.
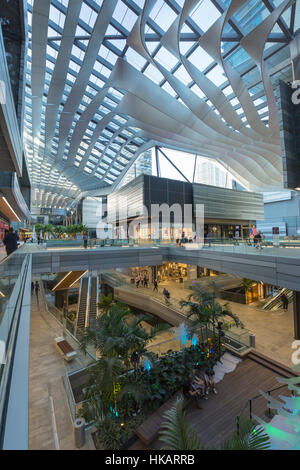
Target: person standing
(285,302)
(85,240)
(10,241)
(37,288)
(32,288)
(155,283)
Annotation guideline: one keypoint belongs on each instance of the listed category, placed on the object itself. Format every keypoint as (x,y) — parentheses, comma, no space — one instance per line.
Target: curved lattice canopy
(109,79)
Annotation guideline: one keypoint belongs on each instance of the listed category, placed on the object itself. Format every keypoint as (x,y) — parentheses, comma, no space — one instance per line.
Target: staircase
(82,305)
(277,367)
(68,280)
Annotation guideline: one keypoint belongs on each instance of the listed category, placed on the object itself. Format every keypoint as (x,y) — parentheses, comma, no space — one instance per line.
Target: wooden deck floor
(217,420)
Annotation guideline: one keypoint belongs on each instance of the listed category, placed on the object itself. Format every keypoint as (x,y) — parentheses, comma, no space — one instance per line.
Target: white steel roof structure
(109,79)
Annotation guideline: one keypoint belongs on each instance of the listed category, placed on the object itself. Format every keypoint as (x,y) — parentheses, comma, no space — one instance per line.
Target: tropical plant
(249,437)
(105,302)
(48,228)
(100,394)
(71,315)
(70,229)
(247,285)
(205,310)
(39,228)
(59,230)
(175,432)
(118,333)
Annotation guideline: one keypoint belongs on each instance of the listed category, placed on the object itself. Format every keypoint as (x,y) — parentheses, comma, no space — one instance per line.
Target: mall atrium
(149,225)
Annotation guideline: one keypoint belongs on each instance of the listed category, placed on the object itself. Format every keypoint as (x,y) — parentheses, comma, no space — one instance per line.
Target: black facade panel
(289,117)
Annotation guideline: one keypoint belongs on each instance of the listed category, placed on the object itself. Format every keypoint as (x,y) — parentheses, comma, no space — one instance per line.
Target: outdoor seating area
(149,430)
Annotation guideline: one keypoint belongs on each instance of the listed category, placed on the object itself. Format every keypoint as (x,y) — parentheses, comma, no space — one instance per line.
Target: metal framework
(109,79)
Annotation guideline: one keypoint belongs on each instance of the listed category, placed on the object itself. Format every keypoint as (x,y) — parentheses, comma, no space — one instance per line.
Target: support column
(295,57)
(296,305)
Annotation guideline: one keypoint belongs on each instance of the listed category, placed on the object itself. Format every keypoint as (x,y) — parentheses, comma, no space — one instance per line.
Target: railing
(239,339)
(237,246)
(15,278)
(249,407)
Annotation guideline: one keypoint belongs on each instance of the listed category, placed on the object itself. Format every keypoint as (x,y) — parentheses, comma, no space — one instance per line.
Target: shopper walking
(167,296)
(155,283)
(32,288)
(37,288)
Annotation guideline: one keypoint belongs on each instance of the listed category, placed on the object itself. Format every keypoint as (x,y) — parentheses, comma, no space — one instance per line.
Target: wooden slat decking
(217,420)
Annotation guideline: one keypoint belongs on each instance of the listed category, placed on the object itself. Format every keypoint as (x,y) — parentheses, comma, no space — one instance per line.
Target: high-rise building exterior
(209,172)
(143,165)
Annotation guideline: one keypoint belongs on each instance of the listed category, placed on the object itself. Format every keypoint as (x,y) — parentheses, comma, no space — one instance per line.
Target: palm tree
(176,434)
(205,310)
(118,333)
(48,228)
(105,302)
(39,228)
(58,230)
(71,229)
(249,437)
(247,285)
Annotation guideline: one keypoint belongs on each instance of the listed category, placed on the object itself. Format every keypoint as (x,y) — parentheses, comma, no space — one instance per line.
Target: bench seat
(148,431)
(64,348)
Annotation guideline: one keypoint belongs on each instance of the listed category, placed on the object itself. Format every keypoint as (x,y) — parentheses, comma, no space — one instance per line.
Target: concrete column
(296,314)
(295,57)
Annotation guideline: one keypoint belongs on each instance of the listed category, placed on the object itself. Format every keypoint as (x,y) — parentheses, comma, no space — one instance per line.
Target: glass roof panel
(119,135)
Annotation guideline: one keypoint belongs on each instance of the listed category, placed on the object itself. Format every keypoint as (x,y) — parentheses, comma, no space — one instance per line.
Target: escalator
(93,301)
(82,305)
(274,301)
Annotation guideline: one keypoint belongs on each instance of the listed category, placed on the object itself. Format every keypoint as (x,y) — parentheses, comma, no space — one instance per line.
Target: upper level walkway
(278,266)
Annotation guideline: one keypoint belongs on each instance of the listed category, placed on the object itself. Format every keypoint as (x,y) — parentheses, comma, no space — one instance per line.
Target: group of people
(142,280)
(198,388)
(184,239)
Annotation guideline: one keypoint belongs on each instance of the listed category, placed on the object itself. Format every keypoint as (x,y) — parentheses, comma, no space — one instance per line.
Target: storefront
(3,226)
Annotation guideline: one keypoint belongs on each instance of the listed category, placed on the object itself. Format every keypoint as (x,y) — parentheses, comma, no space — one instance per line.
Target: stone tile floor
(46,369)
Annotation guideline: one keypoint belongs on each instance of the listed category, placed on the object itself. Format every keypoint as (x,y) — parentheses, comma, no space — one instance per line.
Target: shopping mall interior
(149,225)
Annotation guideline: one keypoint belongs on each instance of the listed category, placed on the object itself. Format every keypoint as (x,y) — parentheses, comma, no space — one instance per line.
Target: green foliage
(205,310)
(71,315)
(111,435)
(118,334)
(59,230)
(169,372)
(39,228)
(106,301)
(48,228)
(249,437)
(175,432)
(247,285)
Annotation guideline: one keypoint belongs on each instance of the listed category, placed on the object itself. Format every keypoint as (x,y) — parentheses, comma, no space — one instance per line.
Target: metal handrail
(249,403)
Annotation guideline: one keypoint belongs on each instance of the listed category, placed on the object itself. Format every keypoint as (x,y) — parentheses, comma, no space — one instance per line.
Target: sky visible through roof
(104,159)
